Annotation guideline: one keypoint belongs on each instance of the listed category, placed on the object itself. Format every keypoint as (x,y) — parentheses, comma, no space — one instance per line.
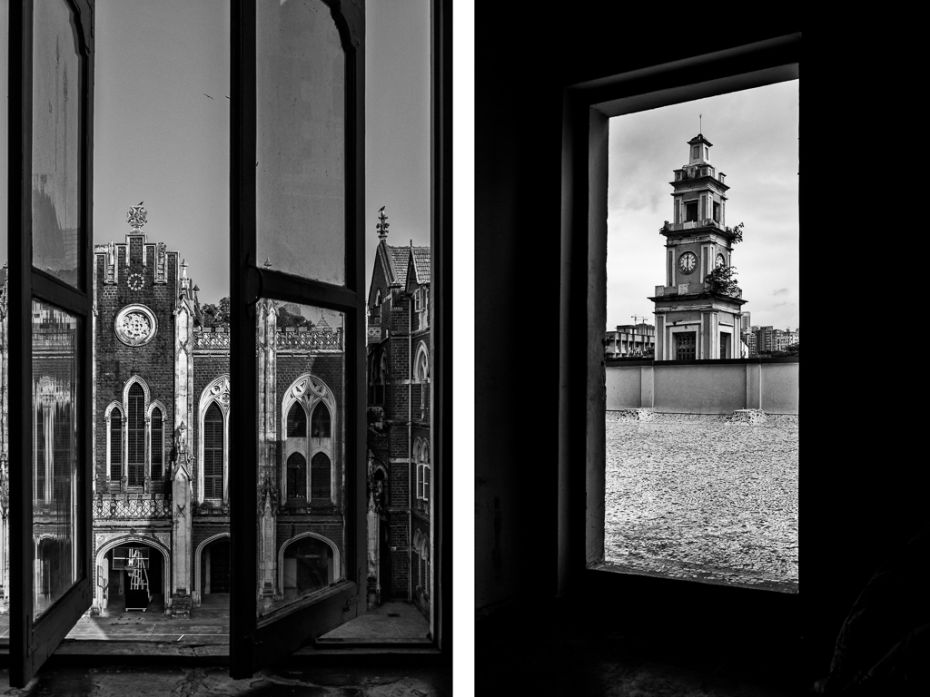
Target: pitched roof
(421,259)
(399,259)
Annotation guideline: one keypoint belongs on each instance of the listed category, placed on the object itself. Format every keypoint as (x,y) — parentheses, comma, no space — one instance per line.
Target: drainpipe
(411,483)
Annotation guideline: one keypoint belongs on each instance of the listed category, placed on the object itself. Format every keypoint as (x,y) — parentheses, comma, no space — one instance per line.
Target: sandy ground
(698,497)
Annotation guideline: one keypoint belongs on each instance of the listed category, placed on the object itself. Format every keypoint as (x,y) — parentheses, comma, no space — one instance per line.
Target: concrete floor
(142,681)
(135,636)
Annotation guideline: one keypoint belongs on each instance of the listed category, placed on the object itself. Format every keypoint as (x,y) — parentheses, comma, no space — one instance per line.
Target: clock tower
(697,318)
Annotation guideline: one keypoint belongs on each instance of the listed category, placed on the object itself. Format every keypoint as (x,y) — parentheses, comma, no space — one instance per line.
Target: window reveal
(320,487)
(116,445)
(158,444)
(296,476)
(135,436)
(213,447)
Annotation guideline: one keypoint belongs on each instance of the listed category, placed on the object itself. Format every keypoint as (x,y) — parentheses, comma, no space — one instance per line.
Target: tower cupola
(700,150)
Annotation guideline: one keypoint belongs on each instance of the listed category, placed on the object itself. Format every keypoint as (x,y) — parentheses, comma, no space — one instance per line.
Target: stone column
(181,551)
(267,561)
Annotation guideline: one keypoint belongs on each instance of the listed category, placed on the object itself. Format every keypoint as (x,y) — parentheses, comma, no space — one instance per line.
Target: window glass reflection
(55,456)
(301,369)
(56,141)
(300,172)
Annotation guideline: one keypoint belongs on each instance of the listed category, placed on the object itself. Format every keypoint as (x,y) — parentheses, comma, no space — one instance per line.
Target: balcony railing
(695,225)
(126,508)
(687,288)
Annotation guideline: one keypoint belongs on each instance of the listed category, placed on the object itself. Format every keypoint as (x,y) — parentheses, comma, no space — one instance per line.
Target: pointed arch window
(40,448)
(321,423)
(116,444)
(296,476)
(296,422)
(320,477)
(135,436)
(421,457)
(213,453)
(158,444)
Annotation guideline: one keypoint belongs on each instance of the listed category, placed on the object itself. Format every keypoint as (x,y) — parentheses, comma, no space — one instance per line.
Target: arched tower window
(320,486)
(296,422)
(158,444)
(39,450)
(297,476)
(421,457)
(213,447)
(135,436)
(116,445)
(321,424)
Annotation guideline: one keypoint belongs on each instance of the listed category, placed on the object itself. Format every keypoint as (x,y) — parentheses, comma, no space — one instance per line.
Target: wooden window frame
(24,659)
(33,640)
(587,108)
(252,643)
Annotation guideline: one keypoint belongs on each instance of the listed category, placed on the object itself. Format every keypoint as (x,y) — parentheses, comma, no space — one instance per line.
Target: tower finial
(383,224)
(137,216)
(700,127)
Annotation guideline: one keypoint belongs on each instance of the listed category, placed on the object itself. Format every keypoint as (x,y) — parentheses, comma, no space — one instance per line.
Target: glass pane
(55,141)
(301,537)
(55,398)
(301,194)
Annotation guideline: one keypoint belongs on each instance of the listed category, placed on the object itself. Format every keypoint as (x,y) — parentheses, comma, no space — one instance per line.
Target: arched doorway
(308,565)
(135,579)
(214,575)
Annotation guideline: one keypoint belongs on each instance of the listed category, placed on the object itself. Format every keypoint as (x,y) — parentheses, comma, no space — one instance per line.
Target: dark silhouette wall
(861,490)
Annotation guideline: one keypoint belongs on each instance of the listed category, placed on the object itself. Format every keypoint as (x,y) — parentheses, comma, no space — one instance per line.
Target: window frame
(242,31)
(33,640)
(248,646)
(587,108)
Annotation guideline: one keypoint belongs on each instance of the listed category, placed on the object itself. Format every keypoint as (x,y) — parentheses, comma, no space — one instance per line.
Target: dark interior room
(545,624)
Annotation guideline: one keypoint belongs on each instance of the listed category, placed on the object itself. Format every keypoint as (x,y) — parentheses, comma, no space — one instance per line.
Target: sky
(755,143)
(162,126)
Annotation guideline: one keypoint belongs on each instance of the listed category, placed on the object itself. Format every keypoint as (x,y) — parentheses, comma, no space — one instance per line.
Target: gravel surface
(702,498)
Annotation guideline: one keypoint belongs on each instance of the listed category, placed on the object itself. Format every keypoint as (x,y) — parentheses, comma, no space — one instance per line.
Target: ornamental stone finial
(383,224)
(137,216)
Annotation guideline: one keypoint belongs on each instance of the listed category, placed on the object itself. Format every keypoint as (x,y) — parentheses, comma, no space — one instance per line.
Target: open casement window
(297,173)
(588,108)
(50,247)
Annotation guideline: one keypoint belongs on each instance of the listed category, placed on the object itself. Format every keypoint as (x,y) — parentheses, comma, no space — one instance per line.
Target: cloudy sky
(162,126)
(755,138)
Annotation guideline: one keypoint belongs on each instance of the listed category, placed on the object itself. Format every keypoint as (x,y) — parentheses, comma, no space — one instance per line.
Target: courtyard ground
(206,632)
(703,498)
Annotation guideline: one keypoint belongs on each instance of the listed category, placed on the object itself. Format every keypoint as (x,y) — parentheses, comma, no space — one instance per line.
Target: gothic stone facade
(399,424)
(162,444)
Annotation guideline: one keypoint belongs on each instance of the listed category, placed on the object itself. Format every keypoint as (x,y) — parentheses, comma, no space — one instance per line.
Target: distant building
(767,339)
(630,341)
(399,465)
(749,338)
(744,322)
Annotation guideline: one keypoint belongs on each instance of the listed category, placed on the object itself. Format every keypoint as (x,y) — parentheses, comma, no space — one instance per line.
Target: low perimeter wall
(704,387)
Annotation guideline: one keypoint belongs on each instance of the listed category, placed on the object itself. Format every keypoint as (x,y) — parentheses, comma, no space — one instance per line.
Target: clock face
(687,262)
(135,325)
(134,281)
(721,261)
